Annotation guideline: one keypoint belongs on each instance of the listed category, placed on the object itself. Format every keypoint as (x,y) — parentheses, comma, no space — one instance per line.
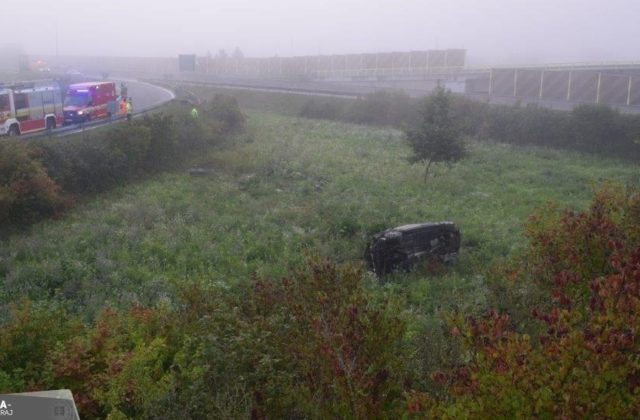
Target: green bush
(100,161)
(530,125)
(162,147)
(437,138)
(29,332)
(224,108)
(316,343)
(27,193)
(383,108)
(378,108)
(593,129)
(35,176)
(322,109)
(598,129)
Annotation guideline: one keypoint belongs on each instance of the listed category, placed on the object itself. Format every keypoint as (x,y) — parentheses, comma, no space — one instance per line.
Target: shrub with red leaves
(342,344)
(584,363)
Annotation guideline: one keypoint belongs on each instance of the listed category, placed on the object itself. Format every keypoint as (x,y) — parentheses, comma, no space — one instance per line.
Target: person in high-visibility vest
(194,113)
(123,106)
(129,109)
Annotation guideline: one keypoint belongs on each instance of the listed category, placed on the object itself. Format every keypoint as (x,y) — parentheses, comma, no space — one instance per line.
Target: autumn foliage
(578,355)
(342,344)
(27,193)
(316,342)
(321,343)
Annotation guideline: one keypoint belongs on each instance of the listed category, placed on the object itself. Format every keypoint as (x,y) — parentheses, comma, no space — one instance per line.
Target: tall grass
(293,186)
(180,288)
(599,130)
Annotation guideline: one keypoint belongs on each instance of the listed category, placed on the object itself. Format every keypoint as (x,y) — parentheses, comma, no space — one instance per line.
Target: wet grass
(288,188)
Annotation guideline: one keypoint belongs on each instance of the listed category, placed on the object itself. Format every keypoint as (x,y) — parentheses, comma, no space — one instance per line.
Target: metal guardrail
(266,88)
(332,89)
(352,90)
(582,65)
(82,127)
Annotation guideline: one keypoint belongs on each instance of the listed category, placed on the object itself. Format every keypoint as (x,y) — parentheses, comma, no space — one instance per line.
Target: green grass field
(289,188)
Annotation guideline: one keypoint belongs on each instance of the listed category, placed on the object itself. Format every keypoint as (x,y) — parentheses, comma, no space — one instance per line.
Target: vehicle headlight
(80,112)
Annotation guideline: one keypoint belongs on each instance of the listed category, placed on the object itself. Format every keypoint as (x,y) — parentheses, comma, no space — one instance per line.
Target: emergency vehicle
(89,101)
(27,107)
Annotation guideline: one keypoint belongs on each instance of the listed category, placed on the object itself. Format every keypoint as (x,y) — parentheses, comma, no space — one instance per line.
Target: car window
(4,103)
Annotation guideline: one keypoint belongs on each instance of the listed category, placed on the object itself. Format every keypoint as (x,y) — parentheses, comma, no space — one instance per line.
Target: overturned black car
(398,249)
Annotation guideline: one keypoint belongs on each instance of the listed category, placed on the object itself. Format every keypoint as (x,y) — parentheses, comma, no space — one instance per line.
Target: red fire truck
(89,101)
(28,107)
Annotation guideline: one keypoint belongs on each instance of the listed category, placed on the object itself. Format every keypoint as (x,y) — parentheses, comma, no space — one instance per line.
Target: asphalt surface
(145,95)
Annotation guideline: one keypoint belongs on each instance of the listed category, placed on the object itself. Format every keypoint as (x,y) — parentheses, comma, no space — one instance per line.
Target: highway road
(360,89)
(145,95)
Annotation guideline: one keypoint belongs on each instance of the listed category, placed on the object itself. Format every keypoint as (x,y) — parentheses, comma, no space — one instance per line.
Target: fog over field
(493,31)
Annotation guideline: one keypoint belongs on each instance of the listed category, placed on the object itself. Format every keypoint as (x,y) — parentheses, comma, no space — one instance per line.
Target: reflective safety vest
(129,108)
(194,113)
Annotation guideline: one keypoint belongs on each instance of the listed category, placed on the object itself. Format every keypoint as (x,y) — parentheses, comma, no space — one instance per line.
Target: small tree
(437,138)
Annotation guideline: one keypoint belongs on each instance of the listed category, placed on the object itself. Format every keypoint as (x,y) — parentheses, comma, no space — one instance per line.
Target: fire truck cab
(88,101)
(27,107)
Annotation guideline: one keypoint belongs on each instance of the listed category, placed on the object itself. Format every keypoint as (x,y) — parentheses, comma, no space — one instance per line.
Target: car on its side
(400,248)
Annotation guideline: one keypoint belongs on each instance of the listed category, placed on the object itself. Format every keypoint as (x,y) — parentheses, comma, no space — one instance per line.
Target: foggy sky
(492,31)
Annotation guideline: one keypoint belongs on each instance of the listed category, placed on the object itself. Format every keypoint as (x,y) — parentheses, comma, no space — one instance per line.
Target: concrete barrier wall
(436,59)
(554,85)
(614,89)
(607,86)
(502,82)
(419,59)
(386,64)
(456,58)
(583,86)
(477,86)
(528,83)
(634,96)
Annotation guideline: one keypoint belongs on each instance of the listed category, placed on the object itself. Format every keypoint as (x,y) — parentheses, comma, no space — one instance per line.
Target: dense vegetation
(241,293)
(595,129)
(437,137)
(41,178)
(573,354)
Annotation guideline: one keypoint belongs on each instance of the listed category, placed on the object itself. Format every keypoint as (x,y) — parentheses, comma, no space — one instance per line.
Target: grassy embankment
(288,188)
(223,344)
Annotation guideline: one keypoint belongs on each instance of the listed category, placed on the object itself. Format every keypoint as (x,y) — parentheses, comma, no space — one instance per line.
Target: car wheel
(14,131)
